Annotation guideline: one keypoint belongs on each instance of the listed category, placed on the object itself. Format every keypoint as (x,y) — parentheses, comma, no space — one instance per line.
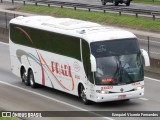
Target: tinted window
(45,40)
(86,60)
(115,47)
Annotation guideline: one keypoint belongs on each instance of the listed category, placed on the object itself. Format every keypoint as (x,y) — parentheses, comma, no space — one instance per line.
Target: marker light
(105,80)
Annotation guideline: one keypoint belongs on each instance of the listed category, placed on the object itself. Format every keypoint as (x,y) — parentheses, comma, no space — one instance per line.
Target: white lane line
(144,99)
(56,100)
(150,40)
(4,43)
(152,79)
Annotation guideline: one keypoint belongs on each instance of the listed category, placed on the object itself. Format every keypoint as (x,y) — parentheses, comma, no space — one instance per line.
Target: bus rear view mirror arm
(93,63)
(146,57)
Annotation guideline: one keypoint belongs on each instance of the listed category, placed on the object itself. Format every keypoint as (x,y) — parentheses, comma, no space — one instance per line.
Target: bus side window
(18,36)
(61,44)
(86,60)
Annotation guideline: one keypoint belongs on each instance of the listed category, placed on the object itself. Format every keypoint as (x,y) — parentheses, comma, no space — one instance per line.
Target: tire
(128,3)
(24,78)
(103,2)
(82,96)
(126,100)
(31,79)
(116,3)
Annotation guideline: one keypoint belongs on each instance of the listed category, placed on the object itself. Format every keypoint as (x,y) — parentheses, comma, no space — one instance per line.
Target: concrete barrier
(4,35)
(155,62)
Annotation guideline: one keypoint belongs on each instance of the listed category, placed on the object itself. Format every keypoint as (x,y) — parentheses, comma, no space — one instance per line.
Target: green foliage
(99,17)
(8,118)
(156,2)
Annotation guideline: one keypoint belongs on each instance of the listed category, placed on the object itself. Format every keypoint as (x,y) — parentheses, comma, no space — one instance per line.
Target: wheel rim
(24,78)
(83,95)
(31,79)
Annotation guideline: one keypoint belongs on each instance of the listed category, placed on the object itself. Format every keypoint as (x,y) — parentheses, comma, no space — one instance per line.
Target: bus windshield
(118,62)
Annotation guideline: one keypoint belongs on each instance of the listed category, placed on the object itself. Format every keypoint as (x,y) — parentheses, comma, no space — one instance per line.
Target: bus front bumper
(118,96)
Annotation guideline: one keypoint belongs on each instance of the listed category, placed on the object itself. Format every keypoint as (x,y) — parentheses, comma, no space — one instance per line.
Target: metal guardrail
(5,18)
(115,9)
(150,44)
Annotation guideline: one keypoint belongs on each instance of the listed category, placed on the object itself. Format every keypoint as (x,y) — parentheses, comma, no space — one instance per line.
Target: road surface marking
(152,79)
(143,99)
(4,43)
(53,99)
(150,40)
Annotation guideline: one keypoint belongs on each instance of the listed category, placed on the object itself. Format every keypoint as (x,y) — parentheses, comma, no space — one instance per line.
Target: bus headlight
(102,91)
(139,87)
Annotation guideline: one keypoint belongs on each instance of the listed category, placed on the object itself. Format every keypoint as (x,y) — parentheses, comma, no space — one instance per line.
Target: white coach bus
(96,63)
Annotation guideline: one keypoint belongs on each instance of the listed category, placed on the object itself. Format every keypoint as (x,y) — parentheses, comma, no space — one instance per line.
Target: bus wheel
(83,95)
(128,3)
(116,3)
(31,79)
(103,2)
(126,100)
(24,77)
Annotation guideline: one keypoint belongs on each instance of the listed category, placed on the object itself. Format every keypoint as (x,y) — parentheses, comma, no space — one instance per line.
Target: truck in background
(116,2)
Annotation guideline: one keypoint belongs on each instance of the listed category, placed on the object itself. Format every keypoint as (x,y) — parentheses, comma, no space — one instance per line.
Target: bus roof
(83,29)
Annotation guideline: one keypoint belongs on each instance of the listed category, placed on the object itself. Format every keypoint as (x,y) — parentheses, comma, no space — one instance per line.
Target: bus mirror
(93,63)
(145,57)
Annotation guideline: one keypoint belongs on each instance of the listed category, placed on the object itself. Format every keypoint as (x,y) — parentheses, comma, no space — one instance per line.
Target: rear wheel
(116,3)
(24,77)
(103,2)
(31,79)
(128,3)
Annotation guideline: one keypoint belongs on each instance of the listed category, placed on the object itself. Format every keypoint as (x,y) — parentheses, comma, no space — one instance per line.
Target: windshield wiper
(120,72)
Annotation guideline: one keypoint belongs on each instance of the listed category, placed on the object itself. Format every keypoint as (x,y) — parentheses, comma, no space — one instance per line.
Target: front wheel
(83,95)
(126,100)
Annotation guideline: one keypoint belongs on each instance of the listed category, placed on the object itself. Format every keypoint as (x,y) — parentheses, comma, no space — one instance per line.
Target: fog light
(98,97)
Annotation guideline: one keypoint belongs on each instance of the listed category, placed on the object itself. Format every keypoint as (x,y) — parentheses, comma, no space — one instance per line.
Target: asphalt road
(15,96)
(98,2)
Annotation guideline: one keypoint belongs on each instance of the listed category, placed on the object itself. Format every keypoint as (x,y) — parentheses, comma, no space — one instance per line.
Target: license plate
(122,96)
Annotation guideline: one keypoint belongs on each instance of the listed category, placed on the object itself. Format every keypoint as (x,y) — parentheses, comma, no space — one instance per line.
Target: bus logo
(60,69)
(76,66)
(122,90)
